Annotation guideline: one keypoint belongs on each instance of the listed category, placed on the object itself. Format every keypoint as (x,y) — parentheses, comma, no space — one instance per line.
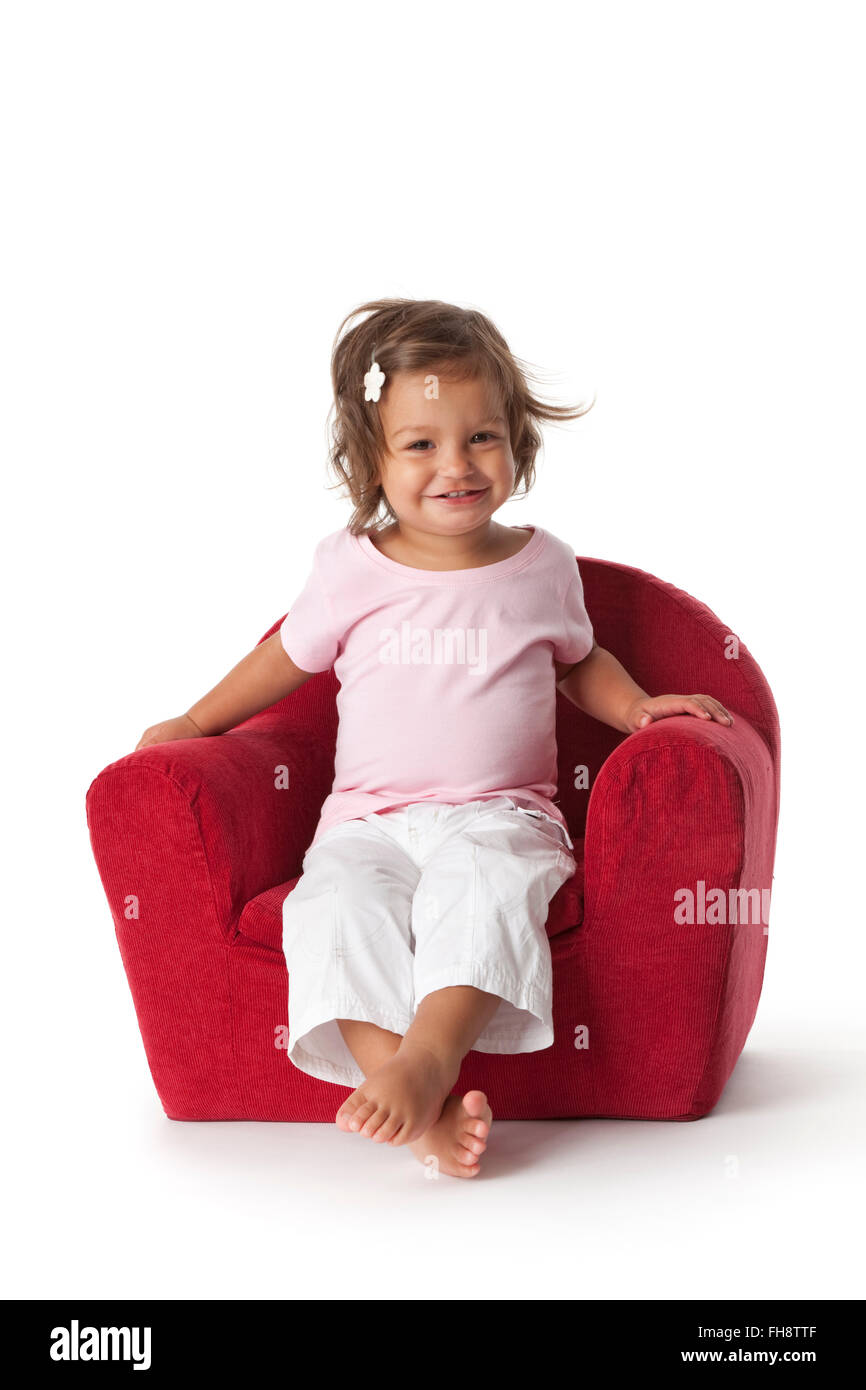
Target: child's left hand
(651,707)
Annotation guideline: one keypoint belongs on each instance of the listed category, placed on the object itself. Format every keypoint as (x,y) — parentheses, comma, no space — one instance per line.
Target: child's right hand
(168,731)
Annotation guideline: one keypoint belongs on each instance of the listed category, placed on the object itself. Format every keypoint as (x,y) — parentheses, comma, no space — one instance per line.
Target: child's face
(446,444)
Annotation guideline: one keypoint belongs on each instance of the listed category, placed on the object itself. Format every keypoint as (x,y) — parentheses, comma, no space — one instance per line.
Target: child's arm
(602,688)
(265,675)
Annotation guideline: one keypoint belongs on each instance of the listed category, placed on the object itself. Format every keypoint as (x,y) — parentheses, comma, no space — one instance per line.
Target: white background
(658,202)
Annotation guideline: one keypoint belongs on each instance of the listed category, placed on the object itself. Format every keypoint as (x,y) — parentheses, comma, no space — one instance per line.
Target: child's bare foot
(459,1137)
(403,1098)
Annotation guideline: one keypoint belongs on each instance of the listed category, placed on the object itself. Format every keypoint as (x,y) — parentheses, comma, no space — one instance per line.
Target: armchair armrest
(682,800)
(684,804)
(184,834)
(207,824)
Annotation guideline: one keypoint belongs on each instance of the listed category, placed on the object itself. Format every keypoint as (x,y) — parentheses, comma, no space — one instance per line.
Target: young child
(417,929)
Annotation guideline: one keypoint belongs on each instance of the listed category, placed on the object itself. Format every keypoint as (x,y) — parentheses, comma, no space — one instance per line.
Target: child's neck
(428,551)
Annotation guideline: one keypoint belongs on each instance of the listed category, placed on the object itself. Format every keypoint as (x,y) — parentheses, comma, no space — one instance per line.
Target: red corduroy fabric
(198,842)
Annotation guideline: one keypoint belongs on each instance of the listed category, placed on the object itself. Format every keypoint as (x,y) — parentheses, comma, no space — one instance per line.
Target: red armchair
(198,842)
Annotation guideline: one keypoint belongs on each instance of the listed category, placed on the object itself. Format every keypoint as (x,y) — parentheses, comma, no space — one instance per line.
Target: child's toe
(345,1114)
(389,1128)
(475,1103)
(401,1136)
(361,1115)
(464,1155)
(375,1122)
(479,1116)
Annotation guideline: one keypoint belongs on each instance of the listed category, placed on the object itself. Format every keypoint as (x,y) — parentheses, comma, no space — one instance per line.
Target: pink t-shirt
(447,687)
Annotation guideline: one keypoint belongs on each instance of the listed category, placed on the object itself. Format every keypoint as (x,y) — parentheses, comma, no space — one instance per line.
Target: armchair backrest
(667,641)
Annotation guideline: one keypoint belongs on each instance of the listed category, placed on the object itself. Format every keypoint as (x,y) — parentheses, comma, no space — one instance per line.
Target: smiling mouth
(463,492)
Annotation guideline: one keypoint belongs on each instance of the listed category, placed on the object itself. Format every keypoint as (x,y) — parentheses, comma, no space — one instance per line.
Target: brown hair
(411,335)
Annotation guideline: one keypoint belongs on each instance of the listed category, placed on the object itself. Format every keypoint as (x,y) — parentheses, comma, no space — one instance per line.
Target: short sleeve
(308,631)
(576,635)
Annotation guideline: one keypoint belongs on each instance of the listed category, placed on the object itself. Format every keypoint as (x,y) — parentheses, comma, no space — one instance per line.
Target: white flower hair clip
(373,380)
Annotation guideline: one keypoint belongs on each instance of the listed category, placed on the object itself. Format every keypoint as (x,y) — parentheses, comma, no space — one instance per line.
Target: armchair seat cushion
(262,918)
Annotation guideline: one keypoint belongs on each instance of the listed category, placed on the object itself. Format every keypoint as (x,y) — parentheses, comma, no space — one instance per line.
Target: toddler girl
(417,929)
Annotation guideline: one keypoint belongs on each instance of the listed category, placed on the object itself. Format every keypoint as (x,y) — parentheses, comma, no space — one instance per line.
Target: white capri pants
(395,904)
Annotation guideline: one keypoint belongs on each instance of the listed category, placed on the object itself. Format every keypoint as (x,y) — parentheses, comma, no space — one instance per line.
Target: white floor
(760,1199)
